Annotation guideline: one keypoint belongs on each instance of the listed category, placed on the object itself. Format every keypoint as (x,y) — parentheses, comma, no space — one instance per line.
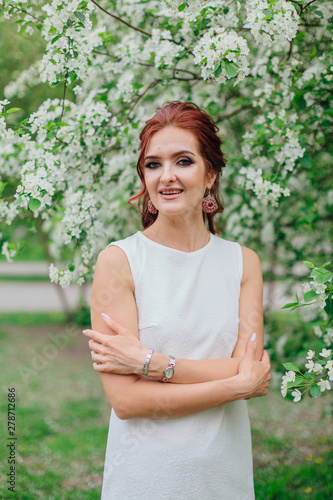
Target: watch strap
(147,361)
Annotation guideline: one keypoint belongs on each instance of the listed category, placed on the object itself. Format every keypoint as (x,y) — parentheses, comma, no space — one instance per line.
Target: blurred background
(62,413)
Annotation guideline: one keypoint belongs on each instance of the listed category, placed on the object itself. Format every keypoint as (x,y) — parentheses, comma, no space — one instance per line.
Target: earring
(209,204)
(151,208)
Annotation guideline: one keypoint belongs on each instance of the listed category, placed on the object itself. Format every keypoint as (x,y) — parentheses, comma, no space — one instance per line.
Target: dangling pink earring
(209,204)
(151,208)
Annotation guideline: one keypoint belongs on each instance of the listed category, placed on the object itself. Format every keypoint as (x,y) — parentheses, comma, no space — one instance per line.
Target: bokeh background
(62,413)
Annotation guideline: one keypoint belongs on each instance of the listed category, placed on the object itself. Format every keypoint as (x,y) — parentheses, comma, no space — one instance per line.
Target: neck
(182,235)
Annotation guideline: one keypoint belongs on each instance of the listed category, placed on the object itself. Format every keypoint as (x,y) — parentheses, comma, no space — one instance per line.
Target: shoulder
(112,266)
(117,252)
(251,264)
(111,255)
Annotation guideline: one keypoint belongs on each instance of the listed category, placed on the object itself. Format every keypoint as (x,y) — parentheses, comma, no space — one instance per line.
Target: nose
(168,174)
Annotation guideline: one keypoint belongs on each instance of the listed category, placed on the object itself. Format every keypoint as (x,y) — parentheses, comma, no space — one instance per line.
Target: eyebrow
(178,153)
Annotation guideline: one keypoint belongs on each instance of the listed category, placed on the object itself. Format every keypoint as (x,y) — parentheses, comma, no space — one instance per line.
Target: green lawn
(62,422)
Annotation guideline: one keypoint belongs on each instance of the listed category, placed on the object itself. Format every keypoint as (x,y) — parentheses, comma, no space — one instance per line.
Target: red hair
(188,116)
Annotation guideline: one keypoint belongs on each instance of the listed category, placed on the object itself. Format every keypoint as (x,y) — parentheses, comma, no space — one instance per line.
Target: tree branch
(120,19)
(28,13)
(232,113)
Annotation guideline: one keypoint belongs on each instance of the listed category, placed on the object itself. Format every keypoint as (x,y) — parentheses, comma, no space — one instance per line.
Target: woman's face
(173,161)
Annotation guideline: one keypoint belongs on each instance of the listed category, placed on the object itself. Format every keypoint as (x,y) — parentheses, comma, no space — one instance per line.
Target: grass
(62,421)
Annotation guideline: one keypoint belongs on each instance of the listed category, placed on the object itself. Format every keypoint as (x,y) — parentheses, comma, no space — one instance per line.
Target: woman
(179,304)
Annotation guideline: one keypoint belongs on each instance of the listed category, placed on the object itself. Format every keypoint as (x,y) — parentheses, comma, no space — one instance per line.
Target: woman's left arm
(251,317)
(126,354)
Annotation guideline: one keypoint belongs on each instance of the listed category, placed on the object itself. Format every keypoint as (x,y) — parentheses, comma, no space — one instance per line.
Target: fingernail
(105,316)
(253,337)
(84,331)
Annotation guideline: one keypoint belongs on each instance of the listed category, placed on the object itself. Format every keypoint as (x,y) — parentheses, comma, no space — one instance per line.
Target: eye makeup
(183,161)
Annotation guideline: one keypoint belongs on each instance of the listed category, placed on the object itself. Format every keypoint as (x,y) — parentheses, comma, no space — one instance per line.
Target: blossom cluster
(70,38)
(222,55)
(265,190)
(318,289)
(190,11)
(318,369)
(316,379)
(271,22)
(62,277)
(8,251)
(163,49)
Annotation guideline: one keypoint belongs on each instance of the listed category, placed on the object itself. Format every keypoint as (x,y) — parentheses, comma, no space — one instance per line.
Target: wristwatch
(169,371)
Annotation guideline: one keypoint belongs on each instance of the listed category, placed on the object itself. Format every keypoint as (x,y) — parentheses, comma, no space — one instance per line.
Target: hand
(120,353)
(254,375)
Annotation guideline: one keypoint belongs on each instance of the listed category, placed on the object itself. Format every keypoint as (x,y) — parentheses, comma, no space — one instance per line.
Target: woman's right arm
(131,396)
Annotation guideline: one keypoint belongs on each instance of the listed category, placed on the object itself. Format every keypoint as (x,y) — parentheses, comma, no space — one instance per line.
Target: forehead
(171,139)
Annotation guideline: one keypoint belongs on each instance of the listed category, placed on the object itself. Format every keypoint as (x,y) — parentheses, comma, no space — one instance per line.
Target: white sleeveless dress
(188,307)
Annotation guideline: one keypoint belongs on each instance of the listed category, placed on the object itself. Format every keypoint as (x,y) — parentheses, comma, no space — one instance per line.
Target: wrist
(236,360)
(157,365)
(139,368)
(241,386)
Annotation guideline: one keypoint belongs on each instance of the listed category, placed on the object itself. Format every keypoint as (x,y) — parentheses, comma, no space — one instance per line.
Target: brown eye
(152,164)
(185,161)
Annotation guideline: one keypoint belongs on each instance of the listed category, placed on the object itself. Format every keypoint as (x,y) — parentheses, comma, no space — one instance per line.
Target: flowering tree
(261,68)
(317,374)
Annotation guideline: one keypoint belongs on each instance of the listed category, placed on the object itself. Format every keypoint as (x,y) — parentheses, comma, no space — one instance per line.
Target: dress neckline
(194,252)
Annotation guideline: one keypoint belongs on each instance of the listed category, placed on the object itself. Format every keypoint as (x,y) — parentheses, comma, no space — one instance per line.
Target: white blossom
(324,385)
(296,395)
(325,353)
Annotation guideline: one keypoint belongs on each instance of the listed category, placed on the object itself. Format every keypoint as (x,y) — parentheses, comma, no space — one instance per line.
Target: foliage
(319,370)
(261,68)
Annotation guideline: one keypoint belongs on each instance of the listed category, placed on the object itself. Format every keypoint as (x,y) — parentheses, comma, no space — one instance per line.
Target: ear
(211,179)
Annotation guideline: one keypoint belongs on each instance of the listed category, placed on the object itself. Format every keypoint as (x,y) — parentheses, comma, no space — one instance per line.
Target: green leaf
(323,278)
(310,296)
(306,161)
(69,22)
(315,272)
(324,265)
(80,16)
(34,204)
(17,201)
(319,13)
(300,101)
(55,39)
(71,267)
(298,381)
(231,70)
(314,391)
(329,307)
(291,367)
(218,71)
(308,263)
(181,7)
(12,110)
(291,304)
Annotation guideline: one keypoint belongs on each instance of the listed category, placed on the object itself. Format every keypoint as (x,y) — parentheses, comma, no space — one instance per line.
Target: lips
(171,190)
(170,194)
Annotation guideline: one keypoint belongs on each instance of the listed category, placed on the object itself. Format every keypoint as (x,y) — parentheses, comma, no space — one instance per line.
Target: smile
(170,195)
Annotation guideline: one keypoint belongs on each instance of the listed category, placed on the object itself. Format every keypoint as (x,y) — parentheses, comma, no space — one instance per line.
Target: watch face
(168,372)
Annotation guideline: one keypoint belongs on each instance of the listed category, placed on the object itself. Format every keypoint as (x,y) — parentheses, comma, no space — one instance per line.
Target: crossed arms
(197,384)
